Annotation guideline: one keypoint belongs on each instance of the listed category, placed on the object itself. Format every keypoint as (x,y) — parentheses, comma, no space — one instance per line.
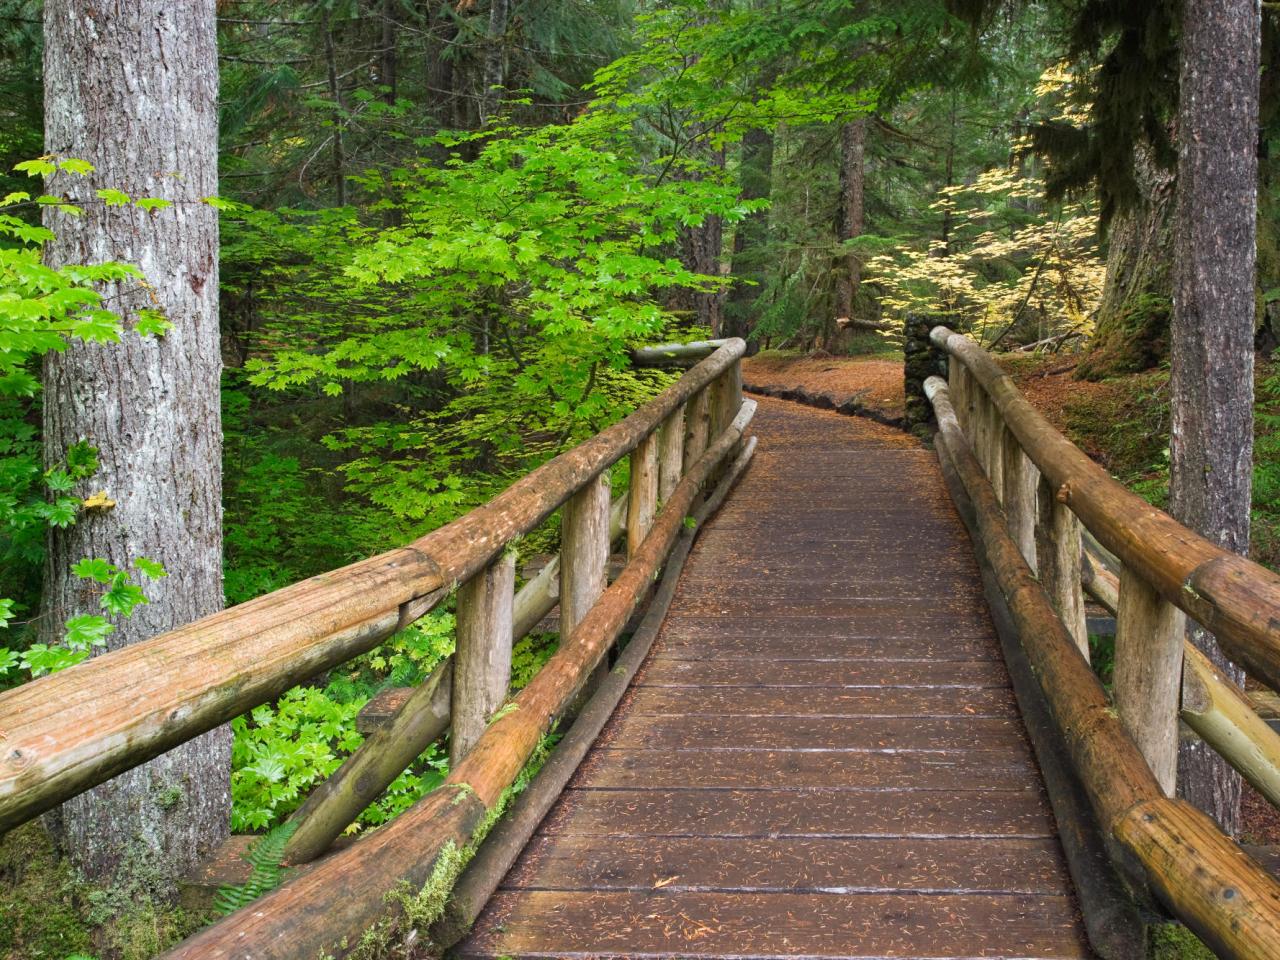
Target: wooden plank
(792,812)
(947,734)
(824,701)
(878,621)
(548,924)
(800,673)
(766,769)
(809,864)
(678,645)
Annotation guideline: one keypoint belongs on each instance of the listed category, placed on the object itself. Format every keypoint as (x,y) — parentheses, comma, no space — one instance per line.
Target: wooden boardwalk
(822,756)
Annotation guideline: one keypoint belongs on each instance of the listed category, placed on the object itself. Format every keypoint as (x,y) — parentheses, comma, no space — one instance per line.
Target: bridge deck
(822,756)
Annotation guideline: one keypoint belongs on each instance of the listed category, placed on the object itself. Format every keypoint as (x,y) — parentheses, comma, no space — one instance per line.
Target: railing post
(584,559)
(482,657)
(1020,481)
(994,441)
(1058,562)
(1148,674)
(670,453)
(697,426)
(959,386)
(642,493)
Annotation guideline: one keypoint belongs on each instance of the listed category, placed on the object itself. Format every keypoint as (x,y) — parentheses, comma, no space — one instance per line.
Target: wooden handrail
(69,731)
(1200,874)
(328,905)
(1232,597)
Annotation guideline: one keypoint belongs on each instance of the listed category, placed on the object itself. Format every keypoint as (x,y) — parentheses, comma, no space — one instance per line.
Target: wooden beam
(130,705)
(1148,674)
(670,454)
(697,426)
(1237,600)
(1021,480)
(335,804)
(1210,884)
(499,852)
(642,492)
(668,353)
(325,910)
(1058,562)
(1218,710)
(482,654)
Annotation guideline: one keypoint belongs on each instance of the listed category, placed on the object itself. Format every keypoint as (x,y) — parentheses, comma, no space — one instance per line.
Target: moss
(38,899)
(49,912)
(1136,339)
(1173,941)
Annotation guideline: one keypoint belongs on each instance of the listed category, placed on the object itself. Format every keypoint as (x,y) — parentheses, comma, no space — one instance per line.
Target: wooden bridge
(854,717)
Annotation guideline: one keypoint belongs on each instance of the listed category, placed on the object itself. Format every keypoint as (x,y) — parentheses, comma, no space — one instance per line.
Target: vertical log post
(482,659)
(1020,482)
(697,426)
(959,386)
(1148,674)
(584,557)
(670,454)
(993,437)
(642,493)
(1058,562)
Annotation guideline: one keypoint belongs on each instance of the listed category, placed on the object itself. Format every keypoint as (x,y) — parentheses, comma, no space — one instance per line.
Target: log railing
(64,733)
(1029,492)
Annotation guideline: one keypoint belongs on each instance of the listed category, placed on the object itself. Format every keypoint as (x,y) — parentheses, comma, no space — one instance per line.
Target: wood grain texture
(822,762)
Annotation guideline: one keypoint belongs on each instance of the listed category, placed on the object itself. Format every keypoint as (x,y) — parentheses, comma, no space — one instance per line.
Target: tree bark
(495,58)
(850,216)
(700,247)
(751,236)
(1131,325)
(133,88)
(1211,447)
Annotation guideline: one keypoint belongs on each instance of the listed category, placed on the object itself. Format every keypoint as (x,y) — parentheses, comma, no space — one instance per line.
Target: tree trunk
(849,216)
(700,248)
(1131,325)
(495,58)
(849,223)
(751,236)
(1211,448)
(335,95)
(133,88)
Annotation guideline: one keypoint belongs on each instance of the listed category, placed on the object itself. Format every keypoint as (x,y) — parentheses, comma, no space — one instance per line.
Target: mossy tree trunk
(1132,321)
(133,89)
(1215,250)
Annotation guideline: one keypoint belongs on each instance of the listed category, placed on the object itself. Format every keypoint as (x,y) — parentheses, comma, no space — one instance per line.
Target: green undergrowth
(1123,423)
(48,914)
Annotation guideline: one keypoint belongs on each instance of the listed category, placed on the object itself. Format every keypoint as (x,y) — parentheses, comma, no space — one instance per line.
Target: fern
(265,857)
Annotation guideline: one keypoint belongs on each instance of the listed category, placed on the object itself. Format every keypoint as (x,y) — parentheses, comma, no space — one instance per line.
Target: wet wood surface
(821,757)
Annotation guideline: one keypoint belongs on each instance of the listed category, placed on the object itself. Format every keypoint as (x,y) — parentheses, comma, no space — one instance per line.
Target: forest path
(821,756)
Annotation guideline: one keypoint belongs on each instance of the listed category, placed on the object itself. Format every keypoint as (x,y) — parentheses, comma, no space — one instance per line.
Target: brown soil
(874,383)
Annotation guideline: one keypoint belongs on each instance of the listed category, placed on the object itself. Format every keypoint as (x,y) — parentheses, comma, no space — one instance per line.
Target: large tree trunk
(1212,339)
(700,248)
(132,88)
(751,236)
(849,224)
(1131,330)
(850,215)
